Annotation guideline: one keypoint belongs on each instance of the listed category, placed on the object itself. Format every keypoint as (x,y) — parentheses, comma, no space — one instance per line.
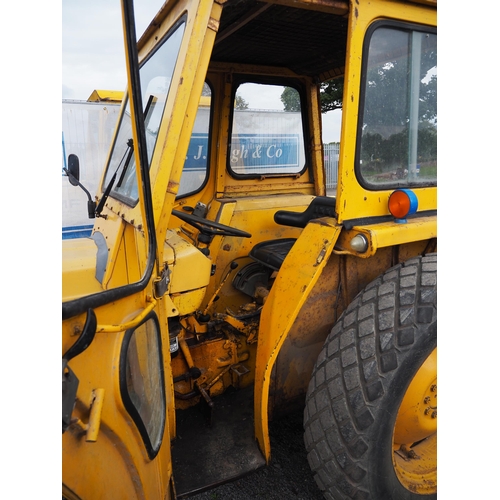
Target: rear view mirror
(73,173)
(73,169)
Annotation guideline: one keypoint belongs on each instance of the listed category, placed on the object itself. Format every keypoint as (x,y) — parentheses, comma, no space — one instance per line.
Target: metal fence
(331,156)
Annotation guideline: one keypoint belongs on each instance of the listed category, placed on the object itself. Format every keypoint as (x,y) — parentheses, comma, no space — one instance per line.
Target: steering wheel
(209,227)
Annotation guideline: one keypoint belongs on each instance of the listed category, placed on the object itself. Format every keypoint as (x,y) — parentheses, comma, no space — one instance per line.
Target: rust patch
(172,187)
(226,247)
(324,223)
(213,24)
(356,12)
(300,349)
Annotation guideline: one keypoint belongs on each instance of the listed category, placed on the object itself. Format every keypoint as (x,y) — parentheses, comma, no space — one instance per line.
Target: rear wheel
(371,408)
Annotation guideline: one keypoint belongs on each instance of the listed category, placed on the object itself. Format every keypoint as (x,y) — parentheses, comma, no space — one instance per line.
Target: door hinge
(161,283)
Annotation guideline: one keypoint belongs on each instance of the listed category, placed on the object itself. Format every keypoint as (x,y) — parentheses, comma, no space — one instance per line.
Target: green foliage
(330,95)
(388,85)
(396,102)
(290,99)
(240,103)
(379,152)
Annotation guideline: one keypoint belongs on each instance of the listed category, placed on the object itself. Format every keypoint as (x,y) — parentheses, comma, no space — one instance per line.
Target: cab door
(118,405)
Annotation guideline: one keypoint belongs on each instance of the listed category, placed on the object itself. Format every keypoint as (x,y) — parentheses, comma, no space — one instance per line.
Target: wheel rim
(415,432)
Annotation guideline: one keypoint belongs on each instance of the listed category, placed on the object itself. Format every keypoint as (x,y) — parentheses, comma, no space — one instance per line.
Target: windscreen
(156,76)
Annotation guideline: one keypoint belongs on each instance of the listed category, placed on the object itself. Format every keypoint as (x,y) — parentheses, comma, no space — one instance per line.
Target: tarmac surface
(287,477)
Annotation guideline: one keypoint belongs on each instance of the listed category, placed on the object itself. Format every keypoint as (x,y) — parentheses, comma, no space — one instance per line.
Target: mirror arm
(90,202)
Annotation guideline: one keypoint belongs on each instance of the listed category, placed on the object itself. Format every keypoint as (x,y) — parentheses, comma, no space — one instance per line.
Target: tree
(388,87)
(291,99)
(330,95)
(400,107)
(240,103)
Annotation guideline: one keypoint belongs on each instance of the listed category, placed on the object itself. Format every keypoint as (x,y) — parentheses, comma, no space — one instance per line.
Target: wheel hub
(415,431)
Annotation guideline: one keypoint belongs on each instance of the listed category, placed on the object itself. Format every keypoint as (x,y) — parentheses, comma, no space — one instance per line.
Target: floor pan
(207,455)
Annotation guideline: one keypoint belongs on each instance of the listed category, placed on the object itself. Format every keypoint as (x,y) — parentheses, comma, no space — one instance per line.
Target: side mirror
(73,169)
(73,173)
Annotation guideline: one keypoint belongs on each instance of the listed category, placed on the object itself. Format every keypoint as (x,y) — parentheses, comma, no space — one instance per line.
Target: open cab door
(117,393)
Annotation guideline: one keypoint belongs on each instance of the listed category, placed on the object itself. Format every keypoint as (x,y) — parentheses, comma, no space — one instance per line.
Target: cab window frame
(210,133)
(239,80)
(409,28)
(151,448)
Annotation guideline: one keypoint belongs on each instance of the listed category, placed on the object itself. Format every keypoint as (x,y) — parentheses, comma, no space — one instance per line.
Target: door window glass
(141,382)
(398,124)
(156,76)
(195,169)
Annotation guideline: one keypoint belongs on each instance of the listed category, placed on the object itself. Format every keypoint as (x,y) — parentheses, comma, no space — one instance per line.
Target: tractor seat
(272,253)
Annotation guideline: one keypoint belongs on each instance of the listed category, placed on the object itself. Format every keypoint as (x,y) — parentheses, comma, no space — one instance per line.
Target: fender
(292,287)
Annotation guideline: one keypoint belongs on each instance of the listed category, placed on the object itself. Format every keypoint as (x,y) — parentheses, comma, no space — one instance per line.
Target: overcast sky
(92,44)
(93,55)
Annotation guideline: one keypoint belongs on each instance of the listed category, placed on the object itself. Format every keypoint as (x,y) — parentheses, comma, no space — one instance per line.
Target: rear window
(267,136)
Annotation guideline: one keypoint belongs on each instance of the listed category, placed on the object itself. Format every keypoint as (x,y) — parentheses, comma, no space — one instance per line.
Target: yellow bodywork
(352,199)
(297,277)
(417,423)
(115,96)
(269,342)
(78,269)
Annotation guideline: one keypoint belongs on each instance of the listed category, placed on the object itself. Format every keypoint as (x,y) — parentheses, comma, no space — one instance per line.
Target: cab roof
(307,41)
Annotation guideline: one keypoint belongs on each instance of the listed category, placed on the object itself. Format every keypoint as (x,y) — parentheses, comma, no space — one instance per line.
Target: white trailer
(87,130)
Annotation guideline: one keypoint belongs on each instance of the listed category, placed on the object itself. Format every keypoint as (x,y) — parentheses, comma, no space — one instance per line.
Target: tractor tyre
(371,407)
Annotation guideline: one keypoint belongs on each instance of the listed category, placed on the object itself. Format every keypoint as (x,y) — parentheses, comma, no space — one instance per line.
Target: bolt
(427,410)
(427,399)
(434,388)
(434,414)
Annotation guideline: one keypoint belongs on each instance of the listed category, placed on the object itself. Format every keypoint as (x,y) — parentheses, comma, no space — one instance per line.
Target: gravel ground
(288,476)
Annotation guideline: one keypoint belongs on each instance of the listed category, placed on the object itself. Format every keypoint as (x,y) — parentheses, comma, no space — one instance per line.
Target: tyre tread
(369,342)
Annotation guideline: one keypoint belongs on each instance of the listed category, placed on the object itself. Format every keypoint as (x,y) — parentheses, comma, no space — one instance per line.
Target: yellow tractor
(224,285)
